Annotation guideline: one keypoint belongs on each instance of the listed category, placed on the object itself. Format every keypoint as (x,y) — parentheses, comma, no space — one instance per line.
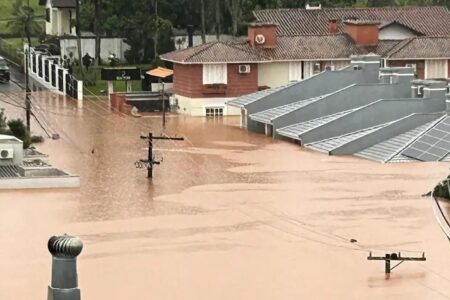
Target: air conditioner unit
(244,69)
(330,68)
(6,153)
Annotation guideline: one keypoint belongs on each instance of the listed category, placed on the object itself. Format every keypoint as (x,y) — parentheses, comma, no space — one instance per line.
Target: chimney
(363,33)
(333,26)
(190,32)
(262,35)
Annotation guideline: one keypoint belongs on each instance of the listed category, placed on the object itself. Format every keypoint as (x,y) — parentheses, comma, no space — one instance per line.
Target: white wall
(59,21)
(273,74)
(436,68)
(108,46)
(395,32)
(197,106)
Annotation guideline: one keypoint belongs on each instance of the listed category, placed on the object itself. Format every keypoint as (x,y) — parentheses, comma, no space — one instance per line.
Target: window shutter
(215,74)
(295,71)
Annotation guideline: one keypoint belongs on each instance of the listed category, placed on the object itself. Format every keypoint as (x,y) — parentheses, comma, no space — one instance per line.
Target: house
(382,114)
(59,17)
(25,169)
(288,45)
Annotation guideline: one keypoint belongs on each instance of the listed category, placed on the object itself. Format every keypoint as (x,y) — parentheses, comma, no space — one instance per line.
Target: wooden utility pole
(394,257)
(27,74)
(150,161)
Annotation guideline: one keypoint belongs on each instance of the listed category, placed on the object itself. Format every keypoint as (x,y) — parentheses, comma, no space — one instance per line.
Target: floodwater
(228,215)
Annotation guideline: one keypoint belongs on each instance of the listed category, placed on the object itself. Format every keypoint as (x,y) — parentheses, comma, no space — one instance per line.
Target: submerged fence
(48,71)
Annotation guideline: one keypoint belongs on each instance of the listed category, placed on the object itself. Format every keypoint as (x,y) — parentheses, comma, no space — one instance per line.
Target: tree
(24,21)
(218,19)
(202,9)
(234,7)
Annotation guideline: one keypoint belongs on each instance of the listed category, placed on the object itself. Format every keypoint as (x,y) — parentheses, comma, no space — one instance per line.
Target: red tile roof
(428,20)
(422,47)
(321,47)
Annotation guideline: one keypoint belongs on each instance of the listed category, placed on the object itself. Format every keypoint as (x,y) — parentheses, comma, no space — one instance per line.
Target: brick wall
(420,66)
(188,81)
(363,34)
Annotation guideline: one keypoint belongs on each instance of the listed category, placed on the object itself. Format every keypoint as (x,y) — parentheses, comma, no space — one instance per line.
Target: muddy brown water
(229,215)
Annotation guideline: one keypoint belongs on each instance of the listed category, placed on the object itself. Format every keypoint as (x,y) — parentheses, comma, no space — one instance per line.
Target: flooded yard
(228,215)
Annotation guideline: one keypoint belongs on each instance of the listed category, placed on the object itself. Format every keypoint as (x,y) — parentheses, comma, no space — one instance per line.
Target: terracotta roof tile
(338,46)
(422,47)
(428,20)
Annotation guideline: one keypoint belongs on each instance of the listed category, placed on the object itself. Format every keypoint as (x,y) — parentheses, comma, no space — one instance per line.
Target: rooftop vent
(313,6)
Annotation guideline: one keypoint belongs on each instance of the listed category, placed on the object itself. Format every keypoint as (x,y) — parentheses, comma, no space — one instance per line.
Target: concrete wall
(395,32)
(376,113)
(273,74)
(108,46)
(40,183)
(59,21)
(401,126)
(348,98)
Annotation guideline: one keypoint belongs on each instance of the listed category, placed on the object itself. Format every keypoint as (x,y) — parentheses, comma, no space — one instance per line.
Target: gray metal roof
(9,171)
(267,116)
(294,131)
(243,101)
(389,150)
(330,144)
(434,145)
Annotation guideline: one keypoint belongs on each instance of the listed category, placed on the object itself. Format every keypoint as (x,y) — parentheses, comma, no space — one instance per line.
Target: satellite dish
(260,39)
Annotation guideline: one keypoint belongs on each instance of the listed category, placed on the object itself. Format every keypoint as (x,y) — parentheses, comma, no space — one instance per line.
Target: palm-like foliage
(24,21)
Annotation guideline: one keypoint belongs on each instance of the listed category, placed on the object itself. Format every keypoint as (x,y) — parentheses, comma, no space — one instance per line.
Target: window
(295,71)
(214,111)
(47,15)
(214,74)
(316,68)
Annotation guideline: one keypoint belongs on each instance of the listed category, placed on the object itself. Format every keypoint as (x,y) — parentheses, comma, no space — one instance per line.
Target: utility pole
(150,161)
(388,257)
(163,103)
(27,78)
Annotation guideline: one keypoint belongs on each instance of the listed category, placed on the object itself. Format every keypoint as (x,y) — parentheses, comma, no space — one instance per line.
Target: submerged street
(229,214)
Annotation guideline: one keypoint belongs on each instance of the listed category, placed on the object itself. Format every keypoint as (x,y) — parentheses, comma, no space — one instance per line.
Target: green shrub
(19,130)
(442,190)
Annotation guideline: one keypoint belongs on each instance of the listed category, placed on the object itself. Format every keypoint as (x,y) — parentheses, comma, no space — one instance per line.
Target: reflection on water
(228,215)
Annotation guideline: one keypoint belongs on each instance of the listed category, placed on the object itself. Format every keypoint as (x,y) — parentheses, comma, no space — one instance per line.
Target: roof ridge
(249,52)
(408,41)
(353,8)
(201,50)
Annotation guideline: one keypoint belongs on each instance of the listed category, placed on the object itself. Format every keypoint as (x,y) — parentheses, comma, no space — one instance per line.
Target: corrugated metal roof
(294,131)
(267,116)
(243,101)
(389,149)
(332,143)
(9,171)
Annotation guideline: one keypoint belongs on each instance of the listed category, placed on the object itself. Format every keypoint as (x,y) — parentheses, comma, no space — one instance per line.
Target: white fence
(48,71)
